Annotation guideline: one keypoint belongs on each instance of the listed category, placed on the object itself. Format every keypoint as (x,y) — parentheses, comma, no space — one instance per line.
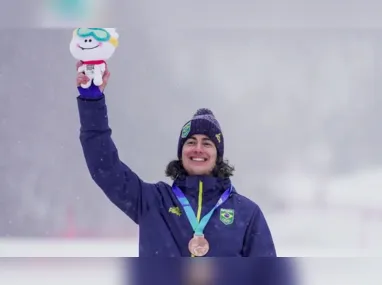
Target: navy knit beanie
(202,123)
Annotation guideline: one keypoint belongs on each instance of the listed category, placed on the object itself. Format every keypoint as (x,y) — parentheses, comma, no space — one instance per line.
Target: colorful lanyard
(198,227)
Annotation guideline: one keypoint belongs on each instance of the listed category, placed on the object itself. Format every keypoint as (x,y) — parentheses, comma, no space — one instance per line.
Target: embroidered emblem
(218,137)
(227,216)
(186,130)
(174,210)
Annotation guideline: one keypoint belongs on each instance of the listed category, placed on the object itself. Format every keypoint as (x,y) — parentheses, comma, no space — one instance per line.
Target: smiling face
(199,155)
(88,47)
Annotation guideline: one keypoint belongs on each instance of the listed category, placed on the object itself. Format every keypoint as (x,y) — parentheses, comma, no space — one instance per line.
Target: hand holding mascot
(93,47)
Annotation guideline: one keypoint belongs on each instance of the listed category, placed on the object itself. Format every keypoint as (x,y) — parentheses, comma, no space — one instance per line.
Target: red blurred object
(72,231)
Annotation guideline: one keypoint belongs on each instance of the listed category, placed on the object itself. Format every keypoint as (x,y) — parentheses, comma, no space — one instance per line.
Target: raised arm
(120,184)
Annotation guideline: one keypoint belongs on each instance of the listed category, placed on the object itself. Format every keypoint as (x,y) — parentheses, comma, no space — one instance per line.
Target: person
(200,214)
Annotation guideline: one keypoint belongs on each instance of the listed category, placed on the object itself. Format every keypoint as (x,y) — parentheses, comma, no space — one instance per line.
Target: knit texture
(202,123)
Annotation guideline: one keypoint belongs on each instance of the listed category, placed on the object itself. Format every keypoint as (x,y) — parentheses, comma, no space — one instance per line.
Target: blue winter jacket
(164,230)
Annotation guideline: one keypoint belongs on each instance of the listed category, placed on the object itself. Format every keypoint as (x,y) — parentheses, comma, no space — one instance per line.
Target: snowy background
(296,86)
(299,106)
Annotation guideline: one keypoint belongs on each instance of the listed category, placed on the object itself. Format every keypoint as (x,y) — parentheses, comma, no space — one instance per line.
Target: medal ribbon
(198,227)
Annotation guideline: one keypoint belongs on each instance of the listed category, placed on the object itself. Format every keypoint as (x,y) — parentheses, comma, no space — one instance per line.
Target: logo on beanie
(186,130)
(218,137)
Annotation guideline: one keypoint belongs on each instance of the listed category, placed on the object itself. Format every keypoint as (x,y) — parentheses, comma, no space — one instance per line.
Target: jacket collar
(212,186)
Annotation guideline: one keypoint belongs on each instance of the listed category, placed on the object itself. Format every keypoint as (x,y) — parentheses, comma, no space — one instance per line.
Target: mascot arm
(81,68)
(98,74)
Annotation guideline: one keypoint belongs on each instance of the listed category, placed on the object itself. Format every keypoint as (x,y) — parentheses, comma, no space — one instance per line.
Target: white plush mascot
(93,46)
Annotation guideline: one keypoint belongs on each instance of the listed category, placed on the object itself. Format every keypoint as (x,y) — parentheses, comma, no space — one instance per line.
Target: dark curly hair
(222,169)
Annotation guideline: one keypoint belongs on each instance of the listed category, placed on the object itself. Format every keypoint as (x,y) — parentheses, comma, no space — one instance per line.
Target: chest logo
(227,216)
(174,210)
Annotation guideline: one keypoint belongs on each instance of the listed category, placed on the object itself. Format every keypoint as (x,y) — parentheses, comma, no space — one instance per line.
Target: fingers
(105,79)
(82,79)
(106,75)
(78,64)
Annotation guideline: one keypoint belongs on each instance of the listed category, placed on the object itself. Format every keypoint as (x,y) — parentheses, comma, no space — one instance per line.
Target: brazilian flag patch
(227,216)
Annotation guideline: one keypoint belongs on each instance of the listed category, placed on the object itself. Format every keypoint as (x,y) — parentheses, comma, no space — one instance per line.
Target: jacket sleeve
(119,183)
(258,240)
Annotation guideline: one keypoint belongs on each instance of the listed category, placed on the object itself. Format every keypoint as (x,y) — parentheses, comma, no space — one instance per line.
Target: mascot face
(93,43)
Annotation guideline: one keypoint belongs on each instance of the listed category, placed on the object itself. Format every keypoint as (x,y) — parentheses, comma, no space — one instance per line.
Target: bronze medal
(198,246)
